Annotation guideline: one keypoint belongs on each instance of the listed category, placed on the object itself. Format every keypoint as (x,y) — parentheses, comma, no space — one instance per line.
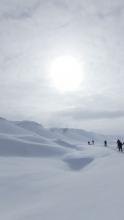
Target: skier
(93,142)
(118,141)
(105,143)
(119,145)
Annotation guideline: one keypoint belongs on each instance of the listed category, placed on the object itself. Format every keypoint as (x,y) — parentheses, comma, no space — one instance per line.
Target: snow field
(55,175)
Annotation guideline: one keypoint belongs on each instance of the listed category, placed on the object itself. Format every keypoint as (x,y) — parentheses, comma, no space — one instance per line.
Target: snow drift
(52,174)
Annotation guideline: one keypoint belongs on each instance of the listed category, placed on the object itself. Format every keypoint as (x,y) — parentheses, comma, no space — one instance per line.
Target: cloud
(35,32)
(20,10)
(78,114)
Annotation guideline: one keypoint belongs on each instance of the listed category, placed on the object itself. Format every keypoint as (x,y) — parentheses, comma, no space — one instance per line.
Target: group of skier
(119,144)
(90,143)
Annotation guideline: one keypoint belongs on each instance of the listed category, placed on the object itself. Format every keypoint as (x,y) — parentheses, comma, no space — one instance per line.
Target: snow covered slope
(28,138)
(50,174)
(19,141)
(7,127)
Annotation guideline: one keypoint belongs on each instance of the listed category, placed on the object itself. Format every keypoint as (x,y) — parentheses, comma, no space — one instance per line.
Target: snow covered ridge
(2,119)
(28,123)
(31,139)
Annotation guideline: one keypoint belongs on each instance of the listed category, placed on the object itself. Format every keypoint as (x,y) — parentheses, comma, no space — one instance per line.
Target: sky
(61,63)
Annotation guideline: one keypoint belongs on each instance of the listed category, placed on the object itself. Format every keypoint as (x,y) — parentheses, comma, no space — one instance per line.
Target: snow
(54,175)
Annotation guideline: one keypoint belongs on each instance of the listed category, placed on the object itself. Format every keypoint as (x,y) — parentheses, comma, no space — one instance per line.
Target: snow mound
(10,128)
(21,148)
(77,164)
(37,129)
(34,139)
(2,119)
(27,139)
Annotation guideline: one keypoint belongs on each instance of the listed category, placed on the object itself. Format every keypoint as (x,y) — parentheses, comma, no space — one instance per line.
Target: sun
(65,73)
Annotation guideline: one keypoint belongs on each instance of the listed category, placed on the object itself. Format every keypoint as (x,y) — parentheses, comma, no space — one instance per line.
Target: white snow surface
(48,174)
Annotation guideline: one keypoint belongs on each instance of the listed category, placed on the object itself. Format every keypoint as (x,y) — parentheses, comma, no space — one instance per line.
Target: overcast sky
(34,33)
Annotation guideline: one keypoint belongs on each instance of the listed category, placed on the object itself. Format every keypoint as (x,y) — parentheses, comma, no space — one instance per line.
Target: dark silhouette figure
(93,142)
(105,143)
(88,142)
(119,145)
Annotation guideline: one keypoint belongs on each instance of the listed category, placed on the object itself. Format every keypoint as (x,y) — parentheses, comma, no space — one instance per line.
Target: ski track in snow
(50,174)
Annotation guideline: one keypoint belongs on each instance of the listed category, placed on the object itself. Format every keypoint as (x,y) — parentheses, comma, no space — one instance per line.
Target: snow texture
(51,174)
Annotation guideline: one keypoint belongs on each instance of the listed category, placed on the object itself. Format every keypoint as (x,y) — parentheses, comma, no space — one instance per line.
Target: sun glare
(65,73)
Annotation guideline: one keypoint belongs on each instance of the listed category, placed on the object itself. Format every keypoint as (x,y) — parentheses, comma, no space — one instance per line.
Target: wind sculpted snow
(50,174)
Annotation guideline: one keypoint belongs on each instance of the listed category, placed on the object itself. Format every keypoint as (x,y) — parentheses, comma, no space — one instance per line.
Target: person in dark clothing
(105,143)
(118,141)
(93,142)
(119,145)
